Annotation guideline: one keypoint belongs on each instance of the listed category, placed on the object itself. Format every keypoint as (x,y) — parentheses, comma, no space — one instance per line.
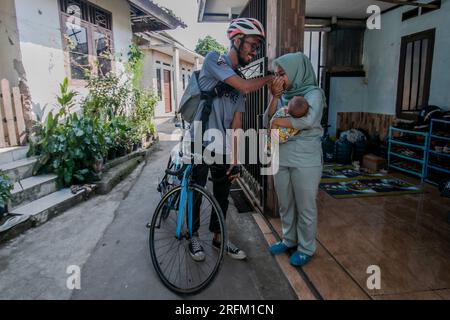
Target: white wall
(347,94)
(10,57)
(382,57)
(41,44)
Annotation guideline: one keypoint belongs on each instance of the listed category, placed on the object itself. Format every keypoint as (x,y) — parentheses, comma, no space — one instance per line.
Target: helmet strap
(241,61)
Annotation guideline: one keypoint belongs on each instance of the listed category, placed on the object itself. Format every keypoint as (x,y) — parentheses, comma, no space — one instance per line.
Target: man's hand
(233,172)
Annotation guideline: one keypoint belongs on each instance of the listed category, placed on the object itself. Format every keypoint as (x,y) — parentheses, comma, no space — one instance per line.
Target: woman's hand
(276,88)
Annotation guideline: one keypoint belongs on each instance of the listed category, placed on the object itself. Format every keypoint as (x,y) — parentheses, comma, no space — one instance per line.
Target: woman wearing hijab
(300,158)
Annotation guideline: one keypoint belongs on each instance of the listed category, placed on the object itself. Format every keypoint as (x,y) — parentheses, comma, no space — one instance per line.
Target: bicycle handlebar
(176,172)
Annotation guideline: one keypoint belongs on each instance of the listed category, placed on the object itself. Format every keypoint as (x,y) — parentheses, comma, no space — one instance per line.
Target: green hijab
(300,73)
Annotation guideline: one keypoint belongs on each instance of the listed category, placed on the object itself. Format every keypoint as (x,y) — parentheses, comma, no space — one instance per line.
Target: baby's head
(298,107)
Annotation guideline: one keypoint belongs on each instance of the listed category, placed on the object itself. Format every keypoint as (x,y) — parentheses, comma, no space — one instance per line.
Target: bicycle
(173,226)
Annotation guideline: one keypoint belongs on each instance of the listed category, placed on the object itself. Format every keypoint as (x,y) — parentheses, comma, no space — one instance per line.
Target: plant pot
(121,152)
(97,176)
(98,165)
(112,154)
(144,142)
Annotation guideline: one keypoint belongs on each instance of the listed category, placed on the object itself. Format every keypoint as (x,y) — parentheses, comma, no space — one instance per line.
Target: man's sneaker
(233,251)
(196,250)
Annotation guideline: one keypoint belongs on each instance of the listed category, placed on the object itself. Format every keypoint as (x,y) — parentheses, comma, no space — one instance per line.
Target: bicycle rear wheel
(170,255)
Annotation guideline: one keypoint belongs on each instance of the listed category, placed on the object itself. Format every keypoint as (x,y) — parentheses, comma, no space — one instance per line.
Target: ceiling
(350,9)
(222,11)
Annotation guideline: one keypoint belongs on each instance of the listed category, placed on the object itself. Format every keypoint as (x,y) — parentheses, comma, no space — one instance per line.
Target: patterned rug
(343,182)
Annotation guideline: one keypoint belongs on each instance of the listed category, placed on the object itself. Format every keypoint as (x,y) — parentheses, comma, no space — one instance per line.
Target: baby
(296,108)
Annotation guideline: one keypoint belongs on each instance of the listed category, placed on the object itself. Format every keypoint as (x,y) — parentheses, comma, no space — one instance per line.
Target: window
(87,38)
(313,49)
(416,60)
(436,5)
(410,14)
(158,83)
(184,81)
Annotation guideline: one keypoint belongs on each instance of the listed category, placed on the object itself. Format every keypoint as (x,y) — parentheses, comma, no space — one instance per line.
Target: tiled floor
(407,236)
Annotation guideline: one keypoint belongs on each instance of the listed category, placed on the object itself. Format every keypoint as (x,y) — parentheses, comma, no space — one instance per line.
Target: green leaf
(79,132)
(67,176)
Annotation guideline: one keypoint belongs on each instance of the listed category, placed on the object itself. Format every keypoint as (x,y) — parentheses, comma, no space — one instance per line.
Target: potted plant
(98,165)
(6,186)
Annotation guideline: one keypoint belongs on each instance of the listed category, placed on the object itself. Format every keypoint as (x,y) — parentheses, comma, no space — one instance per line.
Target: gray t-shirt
(218,68)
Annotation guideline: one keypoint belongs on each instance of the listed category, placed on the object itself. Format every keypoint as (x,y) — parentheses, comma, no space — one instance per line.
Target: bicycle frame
(186,194)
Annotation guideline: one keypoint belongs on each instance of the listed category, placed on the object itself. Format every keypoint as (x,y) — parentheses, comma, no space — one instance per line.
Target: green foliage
(66,97)
(209,44)
(6,186)
(145,102)
(71,150)
(135,65)
(108,97)
(69,147)
(45,128)
(122,134)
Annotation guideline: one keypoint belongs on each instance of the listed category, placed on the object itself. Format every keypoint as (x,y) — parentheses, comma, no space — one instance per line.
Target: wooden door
(167,91)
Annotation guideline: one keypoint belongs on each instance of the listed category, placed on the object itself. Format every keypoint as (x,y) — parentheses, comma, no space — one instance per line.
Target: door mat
(338,173)
(241,202)
(372,187)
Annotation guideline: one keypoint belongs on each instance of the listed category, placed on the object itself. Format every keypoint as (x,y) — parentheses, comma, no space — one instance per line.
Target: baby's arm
(281,123)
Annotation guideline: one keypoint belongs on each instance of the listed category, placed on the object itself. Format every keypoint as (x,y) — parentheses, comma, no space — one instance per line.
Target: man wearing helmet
(246,36)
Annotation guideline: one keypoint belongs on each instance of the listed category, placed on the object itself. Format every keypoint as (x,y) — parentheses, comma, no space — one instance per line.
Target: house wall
(382,57)
(377,93)
(42,50)
(10,56)
(163,58)
(347,94)
(149,79)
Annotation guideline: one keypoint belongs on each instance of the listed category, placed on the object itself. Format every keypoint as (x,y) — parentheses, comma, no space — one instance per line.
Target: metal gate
(256,104)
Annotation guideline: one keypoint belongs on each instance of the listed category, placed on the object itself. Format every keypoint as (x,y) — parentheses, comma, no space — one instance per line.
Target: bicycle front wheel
(171,256)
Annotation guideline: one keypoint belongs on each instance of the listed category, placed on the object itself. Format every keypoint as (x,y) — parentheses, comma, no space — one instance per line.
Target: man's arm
(246,86)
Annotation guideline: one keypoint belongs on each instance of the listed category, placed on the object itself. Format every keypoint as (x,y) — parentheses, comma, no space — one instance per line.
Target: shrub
(108,97)
(68,145)
(145,102)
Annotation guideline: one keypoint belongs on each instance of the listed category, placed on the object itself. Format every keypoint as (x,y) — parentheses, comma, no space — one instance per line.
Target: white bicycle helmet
(245,27)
